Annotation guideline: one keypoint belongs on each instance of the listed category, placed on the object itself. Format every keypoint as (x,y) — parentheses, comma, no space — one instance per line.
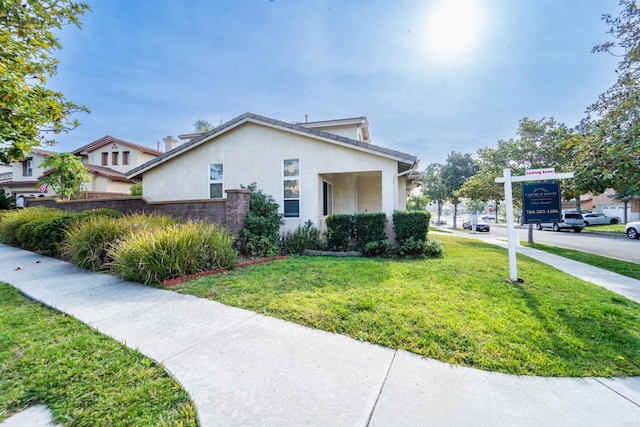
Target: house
(107,159)
(312,169)
(607,203)
(22,182)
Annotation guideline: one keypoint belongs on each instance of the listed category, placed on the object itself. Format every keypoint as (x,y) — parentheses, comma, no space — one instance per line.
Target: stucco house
(22,182)
(107,160)
(312,169)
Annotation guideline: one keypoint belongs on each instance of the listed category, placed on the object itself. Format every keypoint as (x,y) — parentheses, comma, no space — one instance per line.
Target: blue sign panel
(541,202)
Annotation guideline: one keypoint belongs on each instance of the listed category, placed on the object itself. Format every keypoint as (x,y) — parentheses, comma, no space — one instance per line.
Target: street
(614,247)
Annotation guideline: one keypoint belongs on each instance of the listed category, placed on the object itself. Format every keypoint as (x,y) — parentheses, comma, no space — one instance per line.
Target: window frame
(27,167)
(216,181)
(105,159)
(288,200)
(327,205)
(114,158)
(126,158)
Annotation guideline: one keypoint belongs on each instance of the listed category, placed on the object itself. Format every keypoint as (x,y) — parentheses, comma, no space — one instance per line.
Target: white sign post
(507,179)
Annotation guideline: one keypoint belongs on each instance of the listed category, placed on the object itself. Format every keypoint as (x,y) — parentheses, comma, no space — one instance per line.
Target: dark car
(481,226)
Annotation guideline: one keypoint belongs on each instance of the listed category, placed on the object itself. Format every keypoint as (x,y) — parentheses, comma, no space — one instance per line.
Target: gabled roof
(407,160)
(108,139)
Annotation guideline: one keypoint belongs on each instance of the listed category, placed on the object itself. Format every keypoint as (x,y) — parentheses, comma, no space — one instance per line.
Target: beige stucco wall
(255,153)
(103,184)
(37,170)
(136,157)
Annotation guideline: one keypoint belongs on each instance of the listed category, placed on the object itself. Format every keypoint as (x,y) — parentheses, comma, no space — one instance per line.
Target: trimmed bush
(304,237)
(153,256)
(368,228)
(413,224)
(338,231)
(12,221)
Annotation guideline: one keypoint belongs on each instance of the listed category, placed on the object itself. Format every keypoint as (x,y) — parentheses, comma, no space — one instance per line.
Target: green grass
(85,378)
(611,228)
(626,268)
(460,309)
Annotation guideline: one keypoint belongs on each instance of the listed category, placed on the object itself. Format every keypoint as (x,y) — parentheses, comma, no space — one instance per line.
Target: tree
(67,174)
(202,126)
(476,206)
(29,112)
(433,186)
(458,169)
(609,156)
(418,202)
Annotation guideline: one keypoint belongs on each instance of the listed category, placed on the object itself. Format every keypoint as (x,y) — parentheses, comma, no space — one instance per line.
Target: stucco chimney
(170,143)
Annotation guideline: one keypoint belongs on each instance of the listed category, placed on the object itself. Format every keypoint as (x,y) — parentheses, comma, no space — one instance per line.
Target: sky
(431,76)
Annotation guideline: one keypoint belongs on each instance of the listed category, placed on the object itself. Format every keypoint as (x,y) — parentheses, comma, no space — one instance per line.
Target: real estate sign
(541,202)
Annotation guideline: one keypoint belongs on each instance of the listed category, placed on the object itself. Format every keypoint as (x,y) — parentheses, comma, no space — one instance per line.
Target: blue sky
(431,76)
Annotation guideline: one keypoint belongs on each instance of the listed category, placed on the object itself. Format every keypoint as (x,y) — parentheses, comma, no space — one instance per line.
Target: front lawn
(85,378)
(459,309)
(610,228)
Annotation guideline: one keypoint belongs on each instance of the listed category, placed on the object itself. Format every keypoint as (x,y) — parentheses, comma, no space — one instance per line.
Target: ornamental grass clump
(88,243)
(153,256)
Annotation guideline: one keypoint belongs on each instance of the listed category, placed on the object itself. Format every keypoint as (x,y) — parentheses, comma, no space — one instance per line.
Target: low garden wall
(229,212)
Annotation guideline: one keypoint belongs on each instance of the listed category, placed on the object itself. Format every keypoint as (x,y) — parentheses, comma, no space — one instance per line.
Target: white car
(632,230)
(599,219)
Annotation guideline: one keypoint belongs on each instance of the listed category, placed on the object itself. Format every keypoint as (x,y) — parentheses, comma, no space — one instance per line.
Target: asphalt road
(615,247)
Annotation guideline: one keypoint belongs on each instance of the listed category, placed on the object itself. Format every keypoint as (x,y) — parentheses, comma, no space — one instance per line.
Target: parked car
(441,222)
(489,218)
(632,230)
(570,220)
(482,226)
(599,219)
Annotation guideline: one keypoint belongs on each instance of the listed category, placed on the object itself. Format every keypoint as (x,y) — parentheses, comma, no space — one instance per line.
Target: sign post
(507,179)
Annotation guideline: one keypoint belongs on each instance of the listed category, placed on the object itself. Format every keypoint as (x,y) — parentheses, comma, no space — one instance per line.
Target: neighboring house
(108,159)
(310,171)
(23,181)
(608,204)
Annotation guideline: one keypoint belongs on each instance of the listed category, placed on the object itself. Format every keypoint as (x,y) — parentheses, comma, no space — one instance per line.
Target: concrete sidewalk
(242,368)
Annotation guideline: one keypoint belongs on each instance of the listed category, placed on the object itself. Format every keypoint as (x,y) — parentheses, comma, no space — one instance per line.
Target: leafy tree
(202,126)
(476,206)
(418,202)
(434,187)
(28,110)
(609,155)
(67,175)
(458,169)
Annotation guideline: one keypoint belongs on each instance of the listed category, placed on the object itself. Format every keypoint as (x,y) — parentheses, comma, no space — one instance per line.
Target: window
(114,158)
(216,175)
(291,188)
(327,198)
(105,159)
(27,167)
(125,157)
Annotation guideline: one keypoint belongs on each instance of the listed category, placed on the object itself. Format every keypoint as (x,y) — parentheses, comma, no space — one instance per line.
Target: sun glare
(452,28)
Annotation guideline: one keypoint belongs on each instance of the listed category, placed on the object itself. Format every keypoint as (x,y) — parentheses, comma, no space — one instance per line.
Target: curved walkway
(242,368)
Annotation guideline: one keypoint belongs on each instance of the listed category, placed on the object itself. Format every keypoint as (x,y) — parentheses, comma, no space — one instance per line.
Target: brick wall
(229,212)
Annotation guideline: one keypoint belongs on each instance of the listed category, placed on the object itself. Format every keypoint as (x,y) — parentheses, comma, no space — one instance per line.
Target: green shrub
(153,256)
(369,227)
(88,242)
(304,237)
(433,248)
(378,249)
(13,220)
(7,202)
(259,237)
(136,189)
(410,247)
(411,224)
(338,231)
